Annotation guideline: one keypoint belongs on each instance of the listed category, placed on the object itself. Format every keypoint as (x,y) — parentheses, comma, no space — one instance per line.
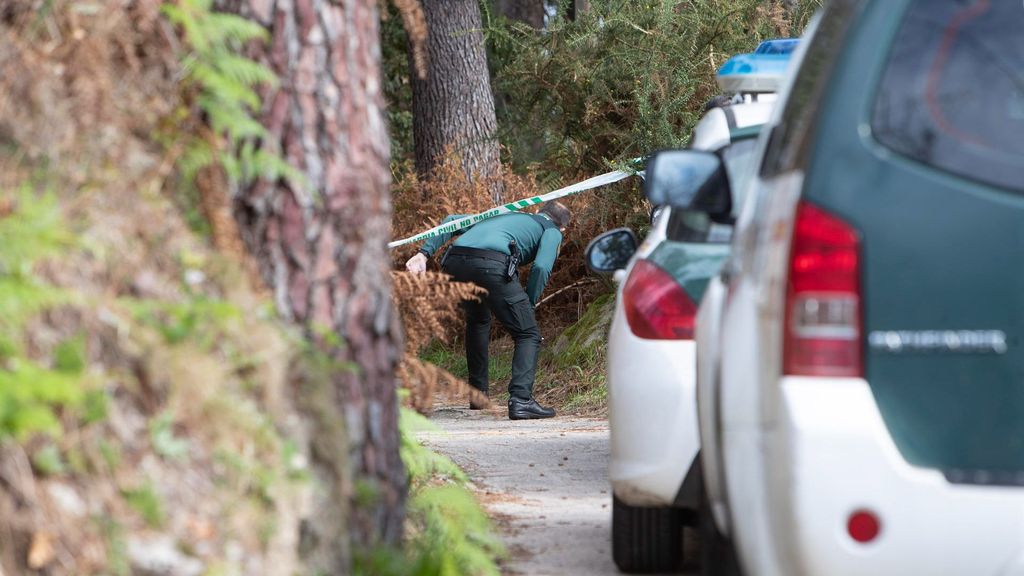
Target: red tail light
(656,305)
(823,331)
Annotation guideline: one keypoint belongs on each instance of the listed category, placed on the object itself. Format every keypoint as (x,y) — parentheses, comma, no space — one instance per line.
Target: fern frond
(244,71)
(218,86)
(231,121)
(223,28)
(197,155)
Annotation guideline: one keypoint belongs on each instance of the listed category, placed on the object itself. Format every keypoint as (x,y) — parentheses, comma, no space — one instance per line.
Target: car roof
(715,129)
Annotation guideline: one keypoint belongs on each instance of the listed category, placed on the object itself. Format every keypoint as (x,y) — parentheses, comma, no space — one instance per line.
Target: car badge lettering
(950,341)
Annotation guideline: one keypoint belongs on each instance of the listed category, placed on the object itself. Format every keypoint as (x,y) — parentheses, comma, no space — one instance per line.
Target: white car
(654,469)
(860,356)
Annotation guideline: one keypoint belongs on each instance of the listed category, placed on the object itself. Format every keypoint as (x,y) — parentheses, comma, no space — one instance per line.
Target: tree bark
(453,107)
(530,12)
(321,246)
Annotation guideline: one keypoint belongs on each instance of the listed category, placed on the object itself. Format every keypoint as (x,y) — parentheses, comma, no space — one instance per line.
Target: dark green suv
(861,361)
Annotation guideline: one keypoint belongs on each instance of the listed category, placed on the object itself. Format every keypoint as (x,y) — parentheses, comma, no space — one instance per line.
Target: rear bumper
(652,415)
(831,455)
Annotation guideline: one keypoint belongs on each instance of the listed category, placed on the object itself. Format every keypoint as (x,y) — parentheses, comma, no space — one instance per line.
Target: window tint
(952,95)
(697,228)
(739,158)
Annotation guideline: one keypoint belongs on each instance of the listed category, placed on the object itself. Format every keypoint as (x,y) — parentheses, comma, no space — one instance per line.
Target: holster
(513,261)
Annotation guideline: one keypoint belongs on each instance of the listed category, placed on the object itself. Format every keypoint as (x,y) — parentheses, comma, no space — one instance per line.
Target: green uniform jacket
(537,237)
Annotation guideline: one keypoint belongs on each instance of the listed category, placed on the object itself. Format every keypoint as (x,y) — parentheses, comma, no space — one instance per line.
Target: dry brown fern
(430,305)
(422,204)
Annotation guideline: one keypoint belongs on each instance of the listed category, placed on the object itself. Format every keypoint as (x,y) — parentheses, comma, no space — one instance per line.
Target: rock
(146,284)
(158,556)
(67,499)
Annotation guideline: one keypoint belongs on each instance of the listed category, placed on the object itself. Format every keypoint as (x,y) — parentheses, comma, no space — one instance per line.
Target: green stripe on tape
(588,184)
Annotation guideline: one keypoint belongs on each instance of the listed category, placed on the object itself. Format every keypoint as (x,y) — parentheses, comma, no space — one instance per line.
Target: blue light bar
(761,71)
(778,46)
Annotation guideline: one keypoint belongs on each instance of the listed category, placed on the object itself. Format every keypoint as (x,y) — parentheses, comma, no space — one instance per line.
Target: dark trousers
(507,301)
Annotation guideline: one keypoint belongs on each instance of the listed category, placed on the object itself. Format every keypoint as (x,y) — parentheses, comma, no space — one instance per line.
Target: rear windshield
(952,95)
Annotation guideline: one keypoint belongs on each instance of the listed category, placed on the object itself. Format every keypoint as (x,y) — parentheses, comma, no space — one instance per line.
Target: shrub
(624,79)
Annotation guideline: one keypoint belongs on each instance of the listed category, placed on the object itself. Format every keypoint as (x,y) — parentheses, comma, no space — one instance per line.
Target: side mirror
(689,180)
(610,251)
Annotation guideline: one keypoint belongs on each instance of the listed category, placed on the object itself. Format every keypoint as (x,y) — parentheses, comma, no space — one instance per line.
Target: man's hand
(417,264)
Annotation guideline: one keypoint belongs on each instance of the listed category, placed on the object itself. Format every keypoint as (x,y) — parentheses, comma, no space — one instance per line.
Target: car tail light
(822,324)
(656,305)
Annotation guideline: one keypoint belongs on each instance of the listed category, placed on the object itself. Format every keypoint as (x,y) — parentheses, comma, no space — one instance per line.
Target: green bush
(624,79)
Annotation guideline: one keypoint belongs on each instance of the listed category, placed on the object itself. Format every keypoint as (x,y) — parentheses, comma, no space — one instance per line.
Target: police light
(779,46)
(760,71)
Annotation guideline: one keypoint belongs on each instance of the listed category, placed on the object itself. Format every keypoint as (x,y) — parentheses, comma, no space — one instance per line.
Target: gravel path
(545,482)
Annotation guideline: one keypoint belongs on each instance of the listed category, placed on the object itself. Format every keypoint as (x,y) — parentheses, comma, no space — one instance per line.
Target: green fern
(31,395)
(452,533)
(421,463)
(227,84)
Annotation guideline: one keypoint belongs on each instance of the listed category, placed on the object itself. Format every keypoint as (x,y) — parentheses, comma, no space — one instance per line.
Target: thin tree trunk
(577,8)
(529,12)
(453,107)
(321,245)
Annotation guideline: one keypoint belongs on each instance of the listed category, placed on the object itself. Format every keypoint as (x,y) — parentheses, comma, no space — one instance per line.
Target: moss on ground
(571,374)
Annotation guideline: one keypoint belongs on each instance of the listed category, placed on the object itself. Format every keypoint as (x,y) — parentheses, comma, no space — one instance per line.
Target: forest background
(201,331)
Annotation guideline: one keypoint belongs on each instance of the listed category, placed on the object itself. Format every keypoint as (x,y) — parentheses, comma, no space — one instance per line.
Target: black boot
(527,409)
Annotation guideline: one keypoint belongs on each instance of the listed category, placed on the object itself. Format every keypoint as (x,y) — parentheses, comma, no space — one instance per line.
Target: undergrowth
(452,357)
(225,82)
(449,533)
(32,394)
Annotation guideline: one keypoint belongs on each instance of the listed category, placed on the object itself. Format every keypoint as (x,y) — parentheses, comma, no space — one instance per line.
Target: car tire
(717,555)
(646,540)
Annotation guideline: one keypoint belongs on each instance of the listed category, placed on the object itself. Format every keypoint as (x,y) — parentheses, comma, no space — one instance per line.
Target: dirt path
(544,481)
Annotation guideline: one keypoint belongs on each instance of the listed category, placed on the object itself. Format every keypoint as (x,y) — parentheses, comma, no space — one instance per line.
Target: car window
(739,160)
(952,95)
(696,227)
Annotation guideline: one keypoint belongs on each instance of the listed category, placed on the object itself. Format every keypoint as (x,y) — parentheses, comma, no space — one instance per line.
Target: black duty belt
(477,253)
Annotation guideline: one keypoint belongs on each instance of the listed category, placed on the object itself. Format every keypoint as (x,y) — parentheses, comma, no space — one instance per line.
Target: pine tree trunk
(453,107)
(321,245)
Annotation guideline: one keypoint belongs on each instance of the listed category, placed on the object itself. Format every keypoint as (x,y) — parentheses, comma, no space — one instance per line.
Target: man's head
(557,213)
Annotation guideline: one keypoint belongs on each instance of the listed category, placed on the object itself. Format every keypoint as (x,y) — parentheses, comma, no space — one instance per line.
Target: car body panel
(798,455)
(834,424)
(949,406)
(651,383)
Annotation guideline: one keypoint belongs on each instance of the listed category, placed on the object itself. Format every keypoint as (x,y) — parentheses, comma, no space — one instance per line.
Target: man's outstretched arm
(547,252)
(418,263)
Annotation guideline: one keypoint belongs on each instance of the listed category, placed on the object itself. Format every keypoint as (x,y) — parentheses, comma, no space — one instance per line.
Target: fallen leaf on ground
(40,552)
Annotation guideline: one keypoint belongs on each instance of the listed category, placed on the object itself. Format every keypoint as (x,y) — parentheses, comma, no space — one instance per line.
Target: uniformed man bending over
(488,254)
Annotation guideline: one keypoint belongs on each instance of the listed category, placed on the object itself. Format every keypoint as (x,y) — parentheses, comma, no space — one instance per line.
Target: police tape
(456,225)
